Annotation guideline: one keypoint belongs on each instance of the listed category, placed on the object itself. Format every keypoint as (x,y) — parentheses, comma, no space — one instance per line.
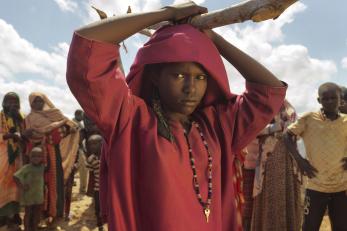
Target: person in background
(82,170)
(93,144)
(79,165)
(271,184)
(90,129)
(343,107)
(29,179)
(59,138)
(11,150)
(324,133)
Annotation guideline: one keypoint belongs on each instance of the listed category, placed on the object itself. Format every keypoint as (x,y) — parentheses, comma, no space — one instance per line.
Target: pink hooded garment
(146,180)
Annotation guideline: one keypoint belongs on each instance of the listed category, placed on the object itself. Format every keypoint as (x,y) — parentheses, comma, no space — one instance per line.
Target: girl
(172,129)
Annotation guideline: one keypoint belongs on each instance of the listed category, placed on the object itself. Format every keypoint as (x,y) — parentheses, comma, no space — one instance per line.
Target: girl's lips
(189,102)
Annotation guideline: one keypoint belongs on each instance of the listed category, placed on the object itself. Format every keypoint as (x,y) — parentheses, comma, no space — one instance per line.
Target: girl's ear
(318,100)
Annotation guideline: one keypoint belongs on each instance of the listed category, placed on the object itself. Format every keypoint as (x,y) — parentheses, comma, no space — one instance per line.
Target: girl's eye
(201,77)
(180,76)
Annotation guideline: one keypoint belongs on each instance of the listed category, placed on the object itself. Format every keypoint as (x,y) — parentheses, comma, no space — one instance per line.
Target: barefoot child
(324,134)
(93,164)
(30,179)
(171,122)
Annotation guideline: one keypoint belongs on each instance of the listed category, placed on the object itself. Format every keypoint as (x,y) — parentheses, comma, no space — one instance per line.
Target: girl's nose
(189,84)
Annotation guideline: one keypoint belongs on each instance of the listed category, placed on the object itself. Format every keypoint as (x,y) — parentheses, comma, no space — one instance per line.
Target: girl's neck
(184,120)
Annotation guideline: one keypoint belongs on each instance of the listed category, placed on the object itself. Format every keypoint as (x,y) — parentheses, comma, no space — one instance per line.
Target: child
(93,164)
(89,129)
(172,122)
(30,179)
(324,134)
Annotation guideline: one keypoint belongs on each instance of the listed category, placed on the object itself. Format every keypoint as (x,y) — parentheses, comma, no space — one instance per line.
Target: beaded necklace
(205,205)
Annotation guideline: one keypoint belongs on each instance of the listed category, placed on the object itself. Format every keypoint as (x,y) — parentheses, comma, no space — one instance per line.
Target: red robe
(146,180)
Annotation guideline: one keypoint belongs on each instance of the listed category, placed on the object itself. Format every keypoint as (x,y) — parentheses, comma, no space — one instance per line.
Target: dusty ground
(83,218)
(82,214)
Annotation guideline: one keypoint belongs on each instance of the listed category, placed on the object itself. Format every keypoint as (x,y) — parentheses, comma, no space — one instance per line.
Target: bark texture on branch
(255,10)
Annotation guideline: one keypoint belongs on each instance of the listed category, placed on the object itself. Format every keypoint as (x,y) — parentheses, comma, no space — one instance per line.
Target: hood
(180,43)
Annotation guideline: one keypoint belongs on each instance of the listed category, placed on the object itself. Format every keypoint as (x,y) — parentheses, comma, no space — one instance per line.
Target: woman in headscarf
(11,127)
(57,135)
(271,182)
(172,128)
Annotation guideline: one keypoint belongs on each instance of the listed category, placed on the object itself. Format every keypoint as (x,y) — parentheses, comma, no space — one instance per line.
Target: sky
(305,47)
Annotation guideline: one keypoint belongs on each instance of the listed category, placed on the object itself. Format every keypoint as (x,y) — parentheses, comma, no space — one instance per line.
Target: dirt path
(82,215)
(83,218)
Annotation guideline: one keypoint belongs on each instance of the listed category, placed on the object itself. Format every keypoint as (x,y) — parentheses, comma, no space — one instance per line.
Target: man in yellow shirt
(325,137)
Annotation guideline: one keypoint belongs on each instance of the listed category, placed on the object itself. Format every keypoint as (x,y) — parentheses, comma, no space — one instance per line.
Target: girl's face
(181,88)
(38,104)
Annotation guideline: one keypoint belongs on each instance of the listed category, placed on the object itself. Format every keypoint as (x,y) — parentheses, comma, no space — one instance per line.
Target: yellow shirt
(326,144)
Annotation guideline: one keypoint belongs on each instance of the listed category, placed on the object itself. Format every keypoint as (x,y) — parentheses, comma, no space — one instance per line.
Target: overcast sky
(305,46)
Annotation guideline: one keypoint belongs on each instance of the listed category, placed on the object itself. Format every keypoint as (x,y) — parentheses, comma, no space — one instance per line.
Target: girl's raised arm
(249,68)
(116,29)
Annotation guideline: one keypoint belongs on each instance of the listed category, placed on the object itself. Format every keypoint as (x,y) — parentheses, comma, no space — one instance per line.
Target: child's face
(94,146)
(36,157)
(330,99)
(181,87)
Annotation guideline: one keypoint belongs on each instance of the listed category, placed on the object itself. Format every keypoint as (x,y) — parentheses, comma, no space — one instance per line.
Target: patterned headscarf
(11,123)
(47,119)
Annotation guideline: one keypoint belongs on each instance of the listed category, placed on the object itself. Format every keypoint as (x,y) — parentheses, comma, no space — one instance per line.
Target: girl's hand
(185,10)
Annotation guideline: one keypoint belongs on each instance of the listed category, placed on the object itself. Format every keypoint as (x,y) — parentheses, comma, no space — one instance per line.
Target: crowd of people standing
(40,153)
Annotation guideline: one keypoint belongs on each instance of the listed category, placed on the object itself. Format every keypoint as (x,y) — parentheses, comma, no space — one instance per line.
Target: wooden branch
(255,10)
(101,13)
(147,32)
